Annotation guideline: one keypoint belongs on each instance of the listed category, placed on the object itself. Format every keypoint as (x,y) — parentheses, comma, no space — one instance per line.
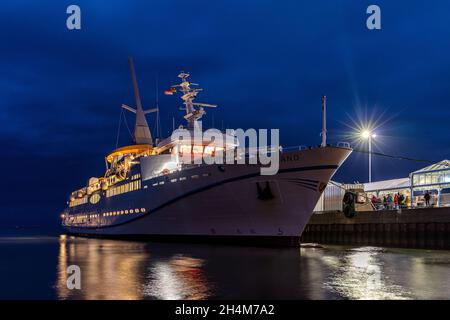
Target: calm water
(35,268)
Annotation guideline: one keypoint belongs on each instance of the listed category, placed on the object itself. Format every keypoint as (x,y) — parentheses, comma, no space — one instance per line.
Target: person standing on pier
(401,200)
(407,202)
(390,202)
(396,201)
(427,199)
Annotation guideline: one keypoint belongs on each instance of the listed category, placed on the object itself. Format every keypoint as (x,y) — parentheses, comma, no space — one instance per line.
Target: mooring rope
(394,157)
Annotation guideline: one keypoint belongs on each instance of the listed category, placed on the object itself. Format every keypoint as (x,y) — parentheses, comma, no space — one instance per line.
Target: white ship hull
(227,203)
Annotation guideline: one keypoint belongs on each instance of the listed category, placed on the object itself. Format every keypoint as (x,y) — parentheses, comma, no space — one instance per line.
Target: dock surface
(406,228)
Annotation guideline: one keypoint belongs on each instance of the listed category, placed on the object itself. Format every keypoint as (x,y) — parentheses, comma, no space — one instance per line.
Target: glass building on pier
(434,179)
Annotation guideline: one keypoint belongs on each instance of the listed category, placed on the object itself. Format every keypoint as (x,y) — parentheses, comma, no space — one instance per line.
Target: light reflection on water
(373,273)
(181,277)
(128,270)
(112,269)
(359,275)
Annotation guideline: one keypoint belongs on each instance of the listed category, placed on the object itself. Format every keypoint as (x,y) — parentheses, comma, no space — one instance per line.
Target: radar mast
(194,110)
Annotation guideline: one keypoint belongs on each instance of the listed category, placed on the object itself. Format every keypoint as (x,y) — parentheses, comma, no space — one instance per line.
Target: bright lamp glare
(374,135)
(365,134)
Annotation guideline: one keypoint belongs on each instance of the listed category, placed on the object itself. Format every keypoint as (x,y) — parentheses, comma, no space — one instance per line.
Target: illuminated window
(185,149)
(195,176)
(182,178)
(209,150)
(197,150)
(78,201)
(173,180)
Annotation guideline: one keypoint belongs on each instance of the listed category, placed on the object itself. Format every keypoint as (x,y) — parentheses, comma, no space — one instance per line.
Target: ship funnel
(142,133)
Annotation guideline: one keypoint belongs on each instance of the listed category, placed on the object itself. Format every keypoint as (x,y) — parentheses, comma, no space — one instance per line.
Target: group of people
(391,202)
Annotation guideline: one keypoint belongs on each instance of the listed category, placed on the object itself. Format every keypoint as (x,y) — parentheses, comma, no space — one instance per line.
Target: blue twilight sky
(265,63)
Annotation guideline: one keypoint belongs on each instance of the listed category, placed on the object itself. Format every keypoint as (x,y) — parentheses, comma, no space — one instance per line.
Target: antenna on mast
(324,121)
(158,120)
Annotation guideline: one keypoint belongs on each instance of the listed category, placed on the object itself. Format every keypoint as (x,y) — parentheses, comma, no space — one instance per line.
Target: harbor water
(35,267)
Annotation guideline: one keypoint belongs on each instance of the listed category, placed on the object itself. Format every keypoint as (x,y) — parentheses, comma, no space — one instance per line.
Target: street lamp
(367,134)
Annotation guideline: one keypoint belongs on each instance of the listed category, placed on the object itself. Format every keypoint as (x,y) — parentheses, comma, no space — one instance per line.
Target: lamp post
(366,134)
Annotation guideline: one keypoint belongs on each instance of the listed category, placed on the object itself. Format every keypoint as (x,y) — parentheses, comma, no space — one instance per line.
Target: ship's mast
(194,110)
(142,133)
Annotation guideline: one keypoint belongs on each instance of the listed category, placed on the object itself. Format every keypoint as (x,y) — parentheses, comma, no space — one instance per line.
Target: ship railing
(343,144)
(295,148)
(340,144)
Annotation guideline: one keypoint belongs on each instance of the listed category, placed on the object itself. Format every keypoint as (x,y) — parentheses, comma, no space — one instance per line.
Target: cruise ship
(149,191)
